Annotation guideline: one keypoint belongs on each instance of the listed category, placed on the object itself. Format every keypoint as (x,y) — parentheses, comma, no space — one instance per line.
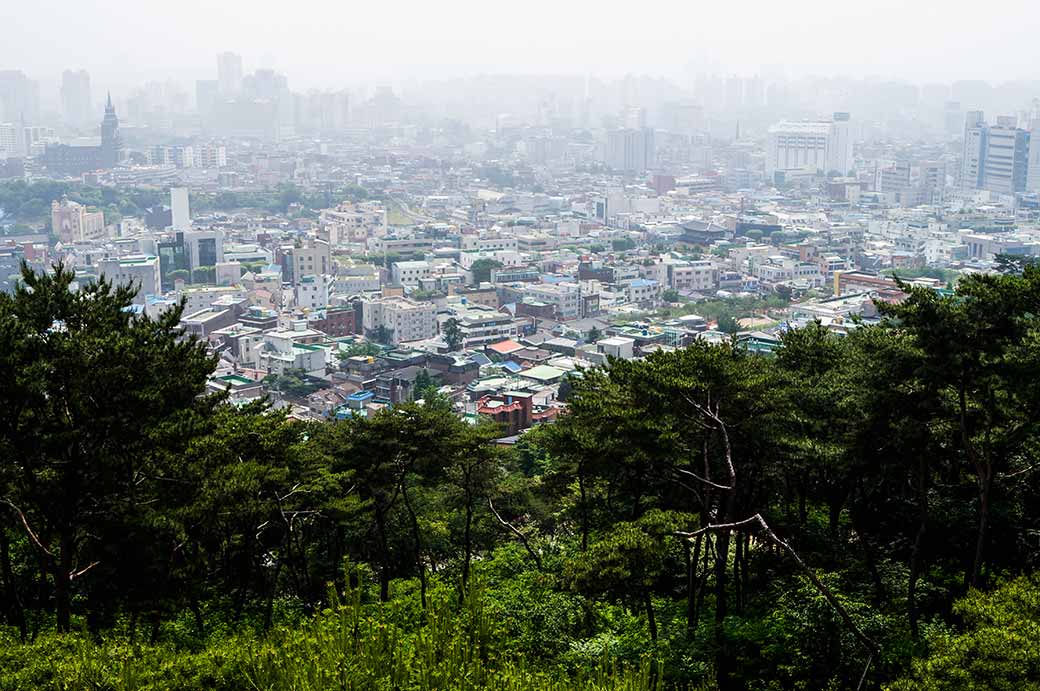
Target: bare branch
(513,529)
(706,481)
(73,575)
(33,537)
(835,604)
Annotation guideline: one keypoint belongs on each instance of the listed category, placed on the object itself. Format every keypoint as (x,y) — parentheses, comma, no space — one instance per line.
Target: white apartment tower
(181,214)
(822,146)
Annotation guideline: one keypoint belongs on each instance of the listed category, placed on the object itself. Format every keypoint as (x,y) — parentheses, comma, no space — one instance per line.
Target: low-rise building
(141,271)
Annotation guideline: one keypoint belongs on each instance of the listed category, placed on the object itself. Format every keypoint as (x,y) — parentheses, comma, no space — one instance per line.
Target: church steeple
(111,142)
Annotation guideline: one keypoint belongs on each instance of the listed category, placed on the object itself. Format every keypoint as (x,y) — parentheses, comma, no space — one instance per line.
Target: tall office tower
(179,208)
(953,118)
(1033,167)
(754,92)
(999,158)
(19,97)
(1005,168)
(734,93)
(207,93)
(75,97)
(822,146)
(631,150)
(932,182)
(8,140)
(229,73)
(973,156)
(683,118)
(634,117)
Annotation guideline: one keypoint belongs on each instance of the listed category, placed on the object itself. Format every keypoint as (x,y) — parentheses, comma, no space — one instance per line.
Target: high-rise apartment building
(9,143)
(822,146)
(19,97)
(975,131)
(1033,165)
(179,210)
(630,150)
(399,319)
(229,74)
(207,93)
(76,106)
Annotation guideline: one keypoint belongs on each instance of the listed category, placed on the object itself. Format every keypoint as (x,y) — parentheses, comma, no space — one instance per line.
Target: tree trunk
(584,510)
(467,543)
(651,620)
(15,613)
(132,624)
(62,573)
(417,540)
(723,657)
(869,556)
(834,507)
(737,581)
(196,611)
(691,585)
(384,557)
(803,512)
(723,661)
(916,554)
(985,473)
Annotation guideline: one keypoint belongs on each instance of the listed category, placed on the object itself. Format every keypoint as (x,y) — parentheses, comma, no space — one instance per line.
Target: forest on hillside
(855,512)
(27,205)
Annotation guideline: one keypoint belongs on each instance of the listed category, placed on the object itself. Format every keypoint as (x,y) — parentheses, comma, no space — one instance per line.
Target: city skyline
(319,45)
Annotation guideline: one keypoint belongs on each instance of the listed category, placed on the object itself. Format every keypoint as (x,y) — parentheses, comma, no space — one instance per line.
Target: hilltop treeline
(30,202)
(855,512)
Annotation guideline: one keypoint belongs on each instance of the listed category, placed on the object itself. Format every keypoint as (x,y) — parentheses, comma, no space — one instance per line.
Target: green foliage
(671,295)
(453,334)
(998,649)
(30,202)
(294,383)
(204,274)
(696,517)
(363,348)
(482,269)
(728,324)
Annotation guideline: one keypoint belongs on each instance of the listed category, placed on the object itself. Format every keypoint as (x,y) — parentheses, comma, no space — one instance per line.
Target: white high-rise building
(1033,174)
(823,146)
(631,150)
(229,74)
(179,208)
(75,97)
(401,318)
(8,139)
(975,130)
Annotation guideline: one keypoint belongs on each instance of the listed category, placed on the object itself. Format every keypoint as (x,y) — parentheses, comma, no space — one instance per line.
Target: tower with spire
(111,143)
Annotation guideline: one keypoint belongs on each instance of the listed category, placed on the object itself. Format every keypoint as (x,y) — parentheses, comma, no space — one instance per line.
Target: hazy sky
(340,43)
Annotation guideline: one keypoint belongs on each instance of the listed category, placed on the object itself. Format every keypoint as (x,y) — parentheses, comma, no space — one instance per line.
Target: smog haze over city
(534,346)
(328,44)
